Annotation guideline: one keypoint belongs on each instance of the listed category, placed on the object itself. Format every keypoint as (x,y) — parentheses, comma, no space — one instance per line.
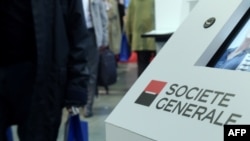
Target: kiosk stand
(182,95)
(160,37)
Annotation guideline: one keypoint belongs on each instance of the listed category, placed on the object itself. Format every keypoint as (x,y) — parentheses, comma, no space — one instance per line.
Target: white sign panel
(177,97)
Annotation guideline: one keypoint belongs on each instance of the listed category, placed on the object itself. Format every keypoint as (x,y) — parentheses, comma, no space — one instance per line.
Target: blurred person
(114,26)
(139,20)
(97,24)
(121,11)
(43,65)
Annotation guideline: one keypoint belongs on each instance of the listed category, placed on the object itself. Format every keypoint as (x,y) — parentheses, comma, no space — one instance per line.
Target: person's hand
(102,48)
(73,110)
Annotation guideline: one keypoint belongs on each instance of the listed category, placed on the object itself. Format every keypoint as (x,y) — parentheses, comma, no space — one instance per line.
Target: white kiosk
(181,96)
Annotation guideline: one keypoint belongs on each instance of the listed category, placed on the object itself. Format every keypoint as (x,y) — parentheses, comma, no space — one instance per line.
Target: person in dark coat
(121,11)
(42,65)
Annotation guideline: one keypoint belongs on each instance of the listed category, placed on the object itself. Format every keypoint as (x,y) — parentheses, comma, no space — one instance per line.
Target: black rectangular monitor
(234,54)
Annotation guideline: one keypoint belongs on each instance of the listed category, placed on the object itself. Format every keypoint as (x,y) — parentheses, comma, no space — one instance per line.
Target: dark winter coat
(62,76)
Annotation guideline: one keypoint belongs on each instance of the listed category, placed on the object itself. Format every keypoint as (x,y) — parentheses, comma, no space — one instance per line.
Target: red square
(155,86)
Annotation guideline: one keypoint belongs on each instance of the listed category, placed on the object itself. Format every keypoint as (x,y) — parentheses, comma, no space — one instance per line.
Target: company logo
(238,132)
(150,92)
(193,102)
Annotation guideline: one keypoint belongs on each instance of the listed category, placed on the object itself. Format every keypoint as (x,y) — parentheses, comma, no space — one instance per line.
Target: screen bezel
(234,33)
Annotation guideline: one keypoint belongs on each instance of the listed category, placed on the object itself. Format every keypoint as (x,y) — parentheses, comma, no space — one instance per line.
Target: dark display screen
(234,54)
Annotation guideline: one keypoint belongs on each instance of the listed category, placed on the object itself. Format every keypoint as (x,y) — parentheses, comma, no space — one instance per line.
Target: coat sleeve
(78,73)
(129,22)
(105,23)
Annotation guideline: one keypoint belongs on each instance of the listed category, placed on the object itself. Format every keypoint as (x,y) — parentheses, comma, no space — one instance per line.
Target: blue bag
(125,50)
(107,69)
(9,134)
(76,129)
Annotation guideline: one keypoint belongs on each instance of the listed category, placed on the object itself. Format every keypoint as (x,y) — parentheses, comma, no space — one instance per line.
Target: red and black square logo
(150,92)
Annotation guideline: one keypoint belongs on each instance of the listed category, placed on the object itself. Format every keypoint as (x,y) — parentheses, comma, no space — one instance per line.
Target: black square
(145,99)
(236,132)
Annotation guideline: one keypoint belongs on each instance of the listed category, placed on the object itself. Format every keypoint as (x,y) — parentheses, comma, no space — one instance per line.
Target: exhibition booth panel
(197,85)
